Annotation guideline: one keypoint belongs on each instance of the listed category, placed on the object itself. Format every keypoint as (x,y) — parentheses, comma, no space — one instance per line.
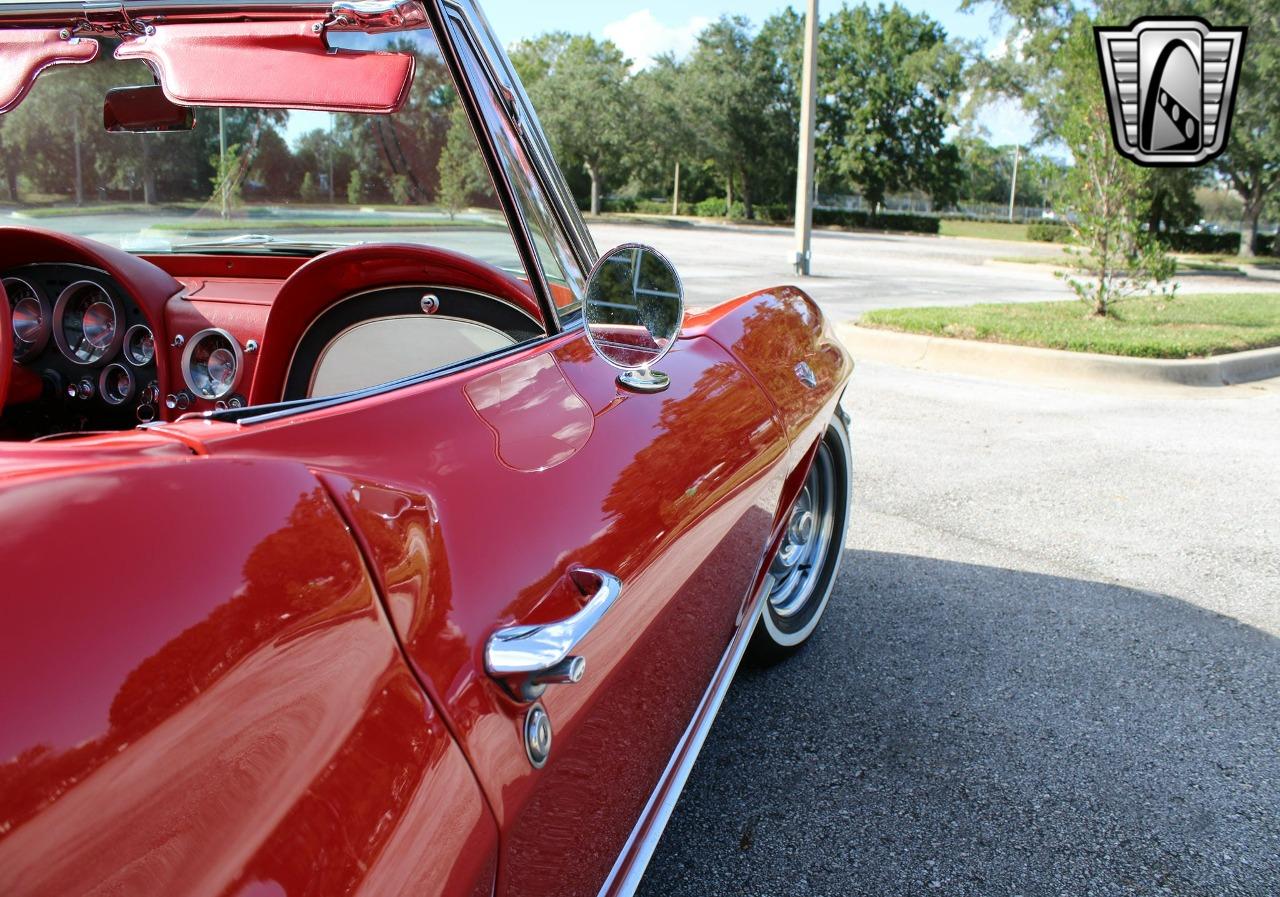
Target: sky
(646,28)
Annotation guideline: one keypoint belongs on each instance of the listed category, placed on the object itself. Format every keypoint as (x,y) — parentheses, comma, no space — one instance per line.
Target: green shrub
(309,192)
(777,213)
(1048,232)
(712,207)
(356,188)
(1209,244)
(661,207)
(916,224)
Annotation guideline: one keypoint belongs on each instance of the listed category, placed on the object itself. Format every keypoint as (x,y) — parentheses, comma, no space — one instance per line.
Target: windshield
(252,180)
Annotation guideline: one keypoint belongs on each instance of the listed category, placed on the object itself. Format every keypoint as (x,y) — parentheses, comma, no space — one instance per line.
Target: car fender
(230,715)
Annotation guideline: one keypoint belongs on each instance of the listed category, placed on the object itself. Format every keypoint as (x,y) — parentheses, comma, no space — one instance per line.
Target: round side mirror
(634,311)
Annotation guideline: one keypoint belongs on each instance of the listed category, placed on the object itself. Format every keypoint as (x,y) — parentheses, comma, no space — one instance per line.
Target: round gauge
(116,384)
(211,364)
(140,345)
(88,323)
(31,319)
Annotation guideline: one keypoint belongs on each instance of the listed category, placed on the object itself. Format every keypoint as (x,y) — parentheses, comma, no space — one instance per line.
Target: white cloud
(1007,122)
(642,37)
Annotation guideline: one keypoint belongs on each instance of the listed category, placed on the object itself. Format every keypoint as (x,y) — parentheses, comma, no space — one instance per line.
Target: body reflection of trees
(686,485)
(300,579)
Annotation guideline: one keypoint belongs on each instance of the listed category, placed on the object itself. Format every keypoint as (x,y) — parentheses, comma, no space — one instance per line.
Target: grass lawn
(985,230)
(1185,327)
(1223,264)
(356,222)
(119,208)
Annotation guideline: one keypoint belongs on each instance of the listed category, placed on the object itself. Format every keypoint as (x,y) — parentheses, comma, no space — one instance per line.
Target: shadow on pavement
(959,729)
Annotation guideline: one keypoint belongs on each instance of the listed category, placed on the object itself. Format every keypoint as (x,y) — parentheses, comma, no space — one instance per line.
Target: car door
(504,496)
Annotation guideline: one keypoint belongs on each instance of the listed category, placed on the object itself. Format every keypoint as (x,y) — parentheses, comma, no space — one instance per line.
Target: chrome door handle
(529,658)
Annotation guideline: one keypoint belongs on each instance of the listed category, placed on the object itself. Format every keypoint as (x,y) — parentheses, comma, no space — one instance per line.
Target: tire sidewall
(791,632)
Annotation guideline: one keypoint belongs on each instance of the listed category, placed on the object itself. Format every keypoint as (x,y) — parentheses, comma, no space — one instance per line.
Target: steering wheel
(6,347)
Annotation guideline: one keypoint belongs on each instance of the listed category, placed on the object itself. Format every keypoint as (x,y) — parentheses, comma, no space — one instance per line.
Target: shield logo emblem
(1171,88)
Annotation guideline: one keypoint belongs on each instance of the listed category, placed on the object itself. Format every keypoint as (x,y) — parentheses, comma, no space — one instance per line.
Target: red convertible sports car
(363,530)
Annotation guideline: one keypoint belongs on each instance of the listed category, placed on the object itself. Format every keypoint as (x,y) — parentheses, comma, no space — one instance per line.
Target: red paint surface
(252,729)
(676,494)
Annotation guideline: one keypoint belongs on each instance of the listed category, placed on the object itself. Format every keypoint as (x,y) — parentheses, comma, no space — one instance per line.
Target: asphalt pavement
(1051,665)
(858,272)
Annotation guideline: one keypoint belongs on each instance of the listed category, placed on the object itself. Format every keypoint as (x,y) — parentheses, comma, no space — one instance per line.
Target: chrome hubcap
(798,565)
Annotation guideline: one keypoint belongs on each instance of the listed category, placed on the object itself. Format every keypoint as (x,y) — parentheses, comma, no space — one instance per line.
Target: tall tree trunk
(11,175)
(148,172)
(675,194)
(728,196)
(75,131)
(594,172)
(747,208)
(1249,230)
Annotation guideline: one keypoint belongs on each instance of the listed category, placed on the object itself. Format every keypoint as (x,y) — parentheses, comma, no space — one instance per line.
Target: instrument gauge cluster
(32,318)
(87,323)
(212,364)
(91,345)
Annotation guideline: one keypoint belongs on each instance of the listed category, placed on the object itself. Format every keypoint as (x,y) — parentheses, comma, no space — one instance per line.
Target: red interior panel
(260,267)
(29,51)
(221,289)
(331,277)
(244,320)
(270,65)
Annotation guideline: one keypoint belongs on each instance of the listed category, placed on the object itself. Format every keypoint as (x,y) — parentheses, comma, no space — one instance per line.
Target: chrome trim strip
(634,859)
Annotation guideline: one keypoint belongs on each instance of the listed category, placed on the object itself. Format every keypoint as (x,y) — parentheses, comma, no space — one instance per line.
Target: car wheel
(805,568)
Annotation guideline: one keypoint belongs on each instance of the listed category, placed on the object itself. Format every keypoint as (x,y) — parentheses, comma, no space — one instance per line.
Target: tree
(1170,199)
(1251,163)
(1105,195)
(462,171)
(274,167)
(309,192)
(888,78)
(668,138)
(228,180)
(732,90)
(356,191)
(567,75)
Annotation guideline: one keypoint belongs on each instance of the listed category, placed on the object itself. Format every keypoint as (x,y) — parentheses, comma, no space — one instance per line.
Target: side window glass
(559,264)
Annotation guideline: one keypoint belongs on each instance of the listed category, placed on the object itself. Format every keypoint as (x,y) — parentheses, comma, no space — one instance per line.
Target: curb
(958,356)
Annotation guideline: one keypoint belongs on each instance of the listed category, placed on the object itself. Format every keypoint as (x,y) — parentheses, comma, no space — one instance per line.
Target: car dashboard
(89,343)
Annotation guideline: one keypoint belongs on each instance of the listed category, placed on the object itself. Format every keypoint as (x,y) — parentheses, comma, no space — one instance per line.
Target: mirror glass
(634,307)
(144,110)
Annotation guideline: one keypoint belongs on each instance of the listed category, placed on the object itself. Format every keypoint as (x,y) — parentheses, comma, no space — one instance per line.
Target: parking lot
(858,272)
(1051,666)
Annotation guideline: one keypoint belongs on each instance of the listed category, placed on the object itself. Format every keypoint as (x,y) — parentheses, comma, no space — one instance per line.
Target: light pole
(1013,187)
(808,118)
(222,160)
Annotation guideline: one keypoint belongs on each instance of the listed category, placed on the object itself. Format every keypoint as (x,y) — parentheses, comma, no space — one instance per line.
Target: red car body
(244,653)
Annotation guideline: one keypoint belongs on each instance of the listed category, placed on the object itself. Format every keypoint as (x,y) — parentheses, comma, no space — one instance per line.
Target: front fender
(773,334)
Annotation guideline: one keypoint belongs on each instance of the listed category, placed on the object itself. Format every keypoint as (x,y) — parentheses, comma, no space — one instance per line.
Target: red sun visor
(26,52)
(270,65)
